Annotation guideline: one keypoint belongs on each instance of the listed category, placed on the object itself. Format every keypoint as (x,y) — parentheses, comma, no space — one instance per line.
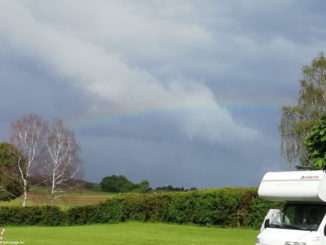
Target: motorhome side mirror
(266,224)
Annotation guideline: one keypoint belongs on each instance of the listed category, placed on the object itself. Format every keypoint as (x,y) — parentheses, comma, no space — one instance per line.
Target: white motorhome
(302,219)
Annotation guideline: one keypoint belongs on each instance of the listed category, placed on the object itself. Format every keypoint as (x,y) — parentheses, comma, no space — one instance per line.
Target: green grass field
(130,233)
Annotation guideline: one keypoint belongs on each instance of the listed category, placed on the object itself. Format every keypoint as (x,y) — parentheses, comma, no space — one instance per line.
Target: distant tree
(63,161)
(171,188)
(298,120)
(142,187)
(10,181)
(316,145)
(26,136)
(116,184)
(92,186)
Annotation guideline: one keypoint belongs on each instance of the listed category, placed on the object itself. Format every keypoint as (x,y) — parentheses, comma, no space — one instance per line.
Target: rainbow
(227,104)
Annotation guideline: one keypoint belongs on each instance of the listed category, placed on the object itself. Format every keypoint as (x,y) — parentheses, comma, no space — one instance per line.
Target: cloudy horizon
(186,94)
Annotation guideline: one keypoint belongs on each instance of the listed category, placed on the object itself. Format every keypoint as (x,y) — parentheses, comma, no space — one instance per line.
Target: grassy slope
(40,196)
(130,233)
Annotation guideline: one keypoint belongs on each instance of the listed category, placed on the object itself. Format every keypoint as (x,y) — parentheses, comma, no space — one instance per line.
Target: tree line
(121,184)
(47,153)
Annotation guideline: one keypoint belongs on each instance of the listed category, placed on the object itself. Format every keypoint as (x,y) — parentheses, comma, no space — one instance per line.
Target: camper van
(301,221)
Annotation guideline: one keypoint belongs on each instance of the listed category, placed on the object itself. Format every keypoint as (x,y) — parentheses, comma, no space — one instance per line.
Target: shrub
(31,216)
(52,216)
(226,207)
(259,210)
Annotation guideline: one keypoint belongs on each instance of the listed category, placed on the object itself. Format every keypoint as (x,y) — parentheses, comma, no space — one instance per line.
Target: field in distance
(130,233)
(40,196)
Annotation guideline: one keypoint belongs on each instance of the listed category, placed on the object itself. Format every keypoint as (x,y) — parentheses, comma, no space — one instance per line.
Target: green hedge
(50,216)
(226,207)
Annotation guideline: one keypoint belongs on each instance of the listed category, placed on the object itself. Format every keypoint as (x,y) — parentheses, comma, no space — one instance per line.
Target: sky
(184,93)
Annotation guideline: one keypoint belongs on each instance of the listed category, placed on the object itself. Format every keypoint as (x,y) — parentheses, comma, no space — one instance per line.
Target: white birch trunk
(25,193)
(26,137)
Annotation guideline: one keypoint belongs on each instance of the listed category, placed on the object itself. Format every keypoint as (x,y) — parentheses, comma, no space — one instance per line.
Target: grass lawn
(130,233)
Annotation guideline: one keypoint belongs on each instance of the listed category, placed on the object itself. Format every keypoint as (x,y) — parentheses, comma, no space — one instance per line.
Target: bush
(31,216)
(227,207)
(259,209)
(52,216)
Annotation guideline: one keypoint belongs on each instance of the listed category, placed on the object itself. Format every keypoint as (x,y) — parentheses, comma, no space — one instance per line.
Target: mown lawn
(130,233)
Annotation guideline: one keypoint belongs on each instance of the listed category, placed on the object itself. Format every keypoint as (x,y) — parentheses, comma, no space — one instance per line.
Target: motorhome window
(300,217)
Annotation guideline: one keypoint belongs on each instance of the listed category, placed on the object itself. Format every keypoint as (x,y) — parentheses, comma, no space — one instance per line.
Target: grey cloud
(195,75)
(106,75)
(182,163)
(29,87)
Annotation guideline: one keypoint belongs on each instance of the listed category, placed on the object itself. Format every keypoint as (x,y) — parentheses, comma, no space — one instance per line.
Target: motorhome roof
(305,186)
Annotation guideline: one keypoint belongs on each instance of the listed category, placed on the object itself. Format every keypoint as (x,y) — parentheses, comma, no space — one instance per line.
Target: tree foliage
(170,188)
(116,184)
(10,182)
(142,187)
(92,186)
(316,144)
(298,120)
(122,184)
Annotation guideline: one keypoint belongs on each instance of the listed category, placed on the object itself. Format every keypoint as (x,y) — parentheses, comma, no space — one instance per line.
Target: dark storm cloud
(29,87)
(181,163)
(184,94)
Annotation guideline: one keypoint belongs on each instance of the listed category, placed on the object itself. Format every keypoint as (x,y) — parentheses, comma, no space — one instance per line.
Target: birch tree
(63,161)
(298,120)
(26,136)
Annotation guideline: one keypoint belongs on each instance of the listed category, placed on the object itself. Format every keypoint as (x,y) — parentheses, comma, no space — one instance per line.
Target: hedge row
(227,207)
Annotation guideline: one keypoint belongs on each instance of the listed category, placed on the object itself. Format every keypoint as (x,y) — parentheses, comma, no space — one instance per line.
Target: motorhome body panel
(305,186)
